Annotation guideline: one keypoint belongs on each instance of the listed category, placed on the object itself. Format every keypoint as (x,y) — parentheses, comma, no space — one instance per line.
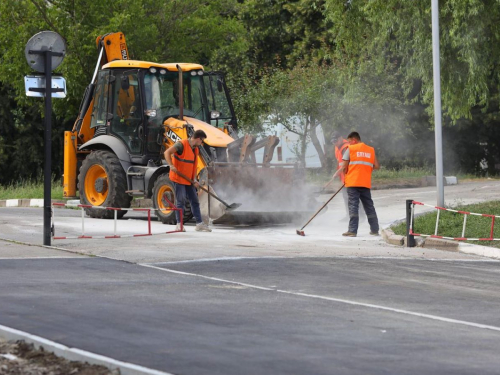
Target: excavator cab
(119,111)
(133,110)
(133,104)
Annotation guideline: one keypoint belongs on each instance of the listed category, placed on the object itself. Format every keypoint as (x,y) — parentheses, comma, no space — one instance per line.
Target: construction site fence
(115,234)
(410,221)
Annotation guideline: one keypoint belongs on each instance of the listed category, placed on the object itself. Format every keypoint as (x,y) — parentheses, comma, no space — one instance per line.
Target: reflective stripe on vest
(185,164)
(361,163)
(183,160)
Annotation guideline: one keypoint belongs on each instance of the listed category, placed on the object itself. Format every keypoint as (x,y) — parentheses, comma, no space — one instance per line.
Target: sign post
(45,52)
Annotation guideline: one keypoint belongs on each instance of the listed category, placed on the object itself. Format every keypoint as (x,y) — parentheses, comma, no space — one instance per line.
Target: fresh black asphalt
(186,324)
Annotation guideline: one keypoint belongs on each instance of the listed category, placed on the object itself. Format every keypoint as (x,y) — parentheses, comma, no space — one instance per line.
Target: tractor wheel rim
(164,208)
(93,174)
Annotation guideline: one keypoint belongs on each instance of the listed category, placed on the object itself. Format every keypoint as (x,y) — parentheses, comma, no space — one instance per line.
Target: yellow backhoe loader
(133,110)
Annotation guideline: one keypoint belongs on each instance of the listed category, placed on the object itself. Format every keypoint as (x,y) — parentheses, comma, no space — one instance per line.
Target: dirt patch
(20,358)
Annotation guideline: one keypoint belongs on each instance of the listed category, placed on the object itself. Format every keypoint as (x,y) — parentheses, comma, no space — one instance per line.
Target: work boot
(178,228)
(349,234)
(202,227)
(374,233)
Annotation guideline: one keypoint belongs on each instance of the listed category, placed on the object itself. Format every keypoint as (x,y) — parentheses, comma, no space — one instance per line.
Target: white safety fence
(464,225)
(115,221)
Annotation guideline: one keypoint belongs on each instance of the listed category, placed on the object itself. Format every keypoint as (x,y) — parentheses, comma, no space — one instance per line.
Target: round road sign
(44,41)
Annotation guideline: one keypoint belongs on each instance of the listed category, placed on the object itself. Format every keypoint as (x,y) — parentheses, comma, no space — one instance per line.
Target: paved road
(323,235)
(257,299)
(280,316)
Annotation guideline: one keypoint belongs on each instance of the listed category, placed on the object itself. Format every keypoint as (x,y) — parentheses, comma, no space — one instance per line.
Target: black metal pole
(47,167)
(410,239)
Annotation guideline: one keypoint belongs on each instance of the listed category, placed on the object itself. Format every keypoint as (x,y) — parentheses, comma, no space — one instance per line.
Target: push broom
(229,207)
(300,231)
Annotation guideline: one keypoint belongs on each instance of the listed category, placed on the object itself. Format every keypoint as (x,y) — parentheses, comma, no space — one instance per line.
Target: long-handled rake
(300,231)
(229,207)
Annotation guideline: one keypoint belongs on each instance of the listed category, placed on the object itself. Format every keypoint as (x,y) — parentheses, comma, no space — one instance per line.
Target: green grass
(26,189)
(404,173)
(383,174)
(451,223)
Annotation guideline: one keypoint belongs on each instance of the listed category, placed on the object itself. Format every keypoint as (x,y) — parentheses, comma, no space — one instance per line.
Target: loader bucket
(268,194)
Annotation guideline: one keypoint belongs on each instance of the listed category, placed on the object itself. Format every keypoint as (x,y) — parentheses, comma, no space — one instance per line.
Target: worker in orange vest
(341,146)
(182,157)
(359,161)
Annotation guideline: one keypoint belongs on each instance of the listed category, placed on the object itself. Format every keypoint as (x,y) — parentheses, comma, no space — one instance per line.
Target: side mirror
(214,115)
(150,112)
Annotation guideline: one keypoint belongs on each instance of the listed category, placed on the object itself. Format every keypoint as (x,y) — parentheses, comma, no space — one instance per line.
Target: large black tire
(163,185)
(102,182)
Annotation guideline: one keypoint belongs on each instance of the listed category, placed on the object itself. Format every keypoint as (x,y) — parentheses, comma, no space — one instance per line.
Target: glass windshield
(217,99)
(101,97)
(126,109)
(162,95)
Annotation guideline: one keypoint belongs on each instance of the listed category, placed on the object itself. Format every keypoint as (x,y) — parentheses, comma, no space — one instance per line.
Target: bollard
(410,239)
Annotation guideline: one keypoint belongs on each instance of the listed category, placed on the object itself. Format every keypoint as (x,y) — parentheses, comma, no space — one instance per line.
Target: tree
(391,33)
(165,31)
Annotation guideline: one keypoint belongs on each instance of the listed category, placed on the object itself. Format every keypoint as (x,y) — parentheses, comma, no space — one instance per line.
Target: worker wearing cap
(359,161)
(182,158)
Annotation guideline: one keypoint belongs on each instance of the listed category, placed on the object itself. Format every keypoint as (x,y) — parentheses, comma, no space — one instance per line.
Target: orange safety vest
(185,164)
(361,163)
(339,153)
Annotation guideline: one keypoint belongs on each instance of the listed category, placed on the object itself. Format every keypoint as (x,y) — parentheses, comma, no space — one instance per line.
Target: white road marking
(201,260)
(339,300)
(74,354)
(54,257)
(206,277)
(400,311)
(10,357)
(215,260)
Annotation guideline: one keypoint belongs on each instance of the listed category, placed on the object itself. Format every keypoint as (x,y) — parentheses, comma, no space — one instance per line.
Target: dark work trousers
(362,194)
(362,215)
(181,193)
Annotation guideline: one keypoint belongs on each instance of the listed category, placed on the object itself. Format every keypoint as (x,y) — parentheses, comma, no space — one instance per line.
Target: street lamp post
(437,104)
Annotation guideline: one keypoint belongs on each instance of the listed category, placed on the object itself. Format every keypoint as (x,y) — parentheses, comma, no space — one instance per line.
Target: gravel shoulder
(18,357)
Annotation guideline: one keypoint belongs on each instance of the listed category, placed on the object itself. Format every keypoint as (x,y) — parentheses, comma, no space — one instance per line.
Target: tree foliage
(163,31)
(336,65)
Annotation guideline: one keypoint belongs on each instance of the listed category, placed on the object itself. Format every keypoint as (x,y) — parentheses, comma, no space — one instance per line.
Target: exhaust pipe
(181,94)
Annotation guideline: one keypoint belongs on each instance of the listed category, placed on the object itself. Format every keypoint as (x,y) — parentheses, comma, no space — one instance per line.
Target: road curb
(136,203)
(440,244)
(445,245)
(391,238)
(469,248)
(74,354)
(25,202)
